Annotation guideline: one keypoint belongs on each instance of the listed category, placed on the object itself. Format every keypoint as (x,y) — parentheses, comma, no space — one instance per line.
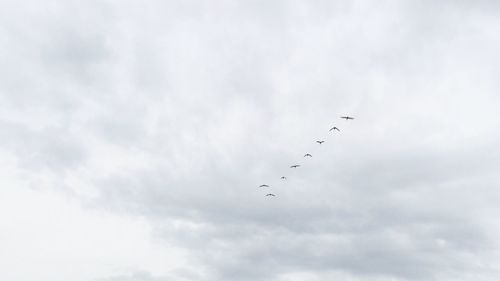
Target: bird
(270,194)
(264,185)
(320,142)
(308,155)
(294,166)
(347,117)
(334,128)
(283,178)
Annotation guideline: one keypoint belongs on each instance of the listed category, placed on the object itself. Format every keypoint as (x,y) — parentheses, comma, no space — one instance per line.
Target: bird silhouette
(307,154)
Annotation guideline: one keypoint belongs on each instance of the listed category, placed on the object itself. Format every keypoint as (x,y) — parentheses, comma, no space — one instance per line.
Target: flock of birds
(307,154)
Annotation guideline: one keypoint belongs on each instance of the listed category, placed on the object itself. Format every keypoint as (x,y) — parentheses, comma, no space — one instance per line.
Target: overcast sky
(134,136)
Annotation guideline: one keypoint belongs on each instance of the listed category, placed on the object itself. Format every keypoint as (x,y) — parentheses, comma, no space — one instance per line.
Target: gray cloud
(137,276)
(49,148)
(176,111)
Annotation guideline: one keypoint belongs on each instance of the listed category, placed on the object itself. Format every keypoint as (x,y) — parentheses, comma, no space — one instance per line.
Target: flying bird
(264,185)
(270,194)
(308,155)
(347,117)
(283,178)
(294,166)
(334,128)
(320,142)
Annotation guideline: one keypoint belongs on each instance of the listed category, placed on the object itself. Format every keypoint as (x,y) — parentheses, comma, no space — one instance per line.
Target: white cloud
(133,138)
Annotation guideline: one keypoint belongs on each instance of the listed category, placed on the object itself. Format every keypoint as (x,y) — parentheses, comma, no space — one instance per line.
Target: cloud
(137,276)
(175,113)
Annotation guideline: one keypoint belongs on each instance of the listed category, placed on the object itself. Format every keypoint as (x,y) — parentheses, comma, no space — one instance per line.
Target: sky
(134,136)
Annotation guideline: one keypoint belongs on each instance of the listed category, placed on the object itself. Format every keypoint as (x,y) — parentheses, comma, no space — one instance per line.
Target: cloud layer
(165,117)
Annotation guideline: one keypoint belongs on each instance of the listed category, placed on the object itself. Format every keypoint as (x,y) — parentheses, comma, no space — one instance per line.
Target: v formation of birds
(334,128)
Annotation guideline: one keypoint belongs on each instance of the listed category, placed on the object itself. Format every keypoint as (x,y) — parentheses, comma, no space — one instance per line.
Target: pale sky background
(134,136)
